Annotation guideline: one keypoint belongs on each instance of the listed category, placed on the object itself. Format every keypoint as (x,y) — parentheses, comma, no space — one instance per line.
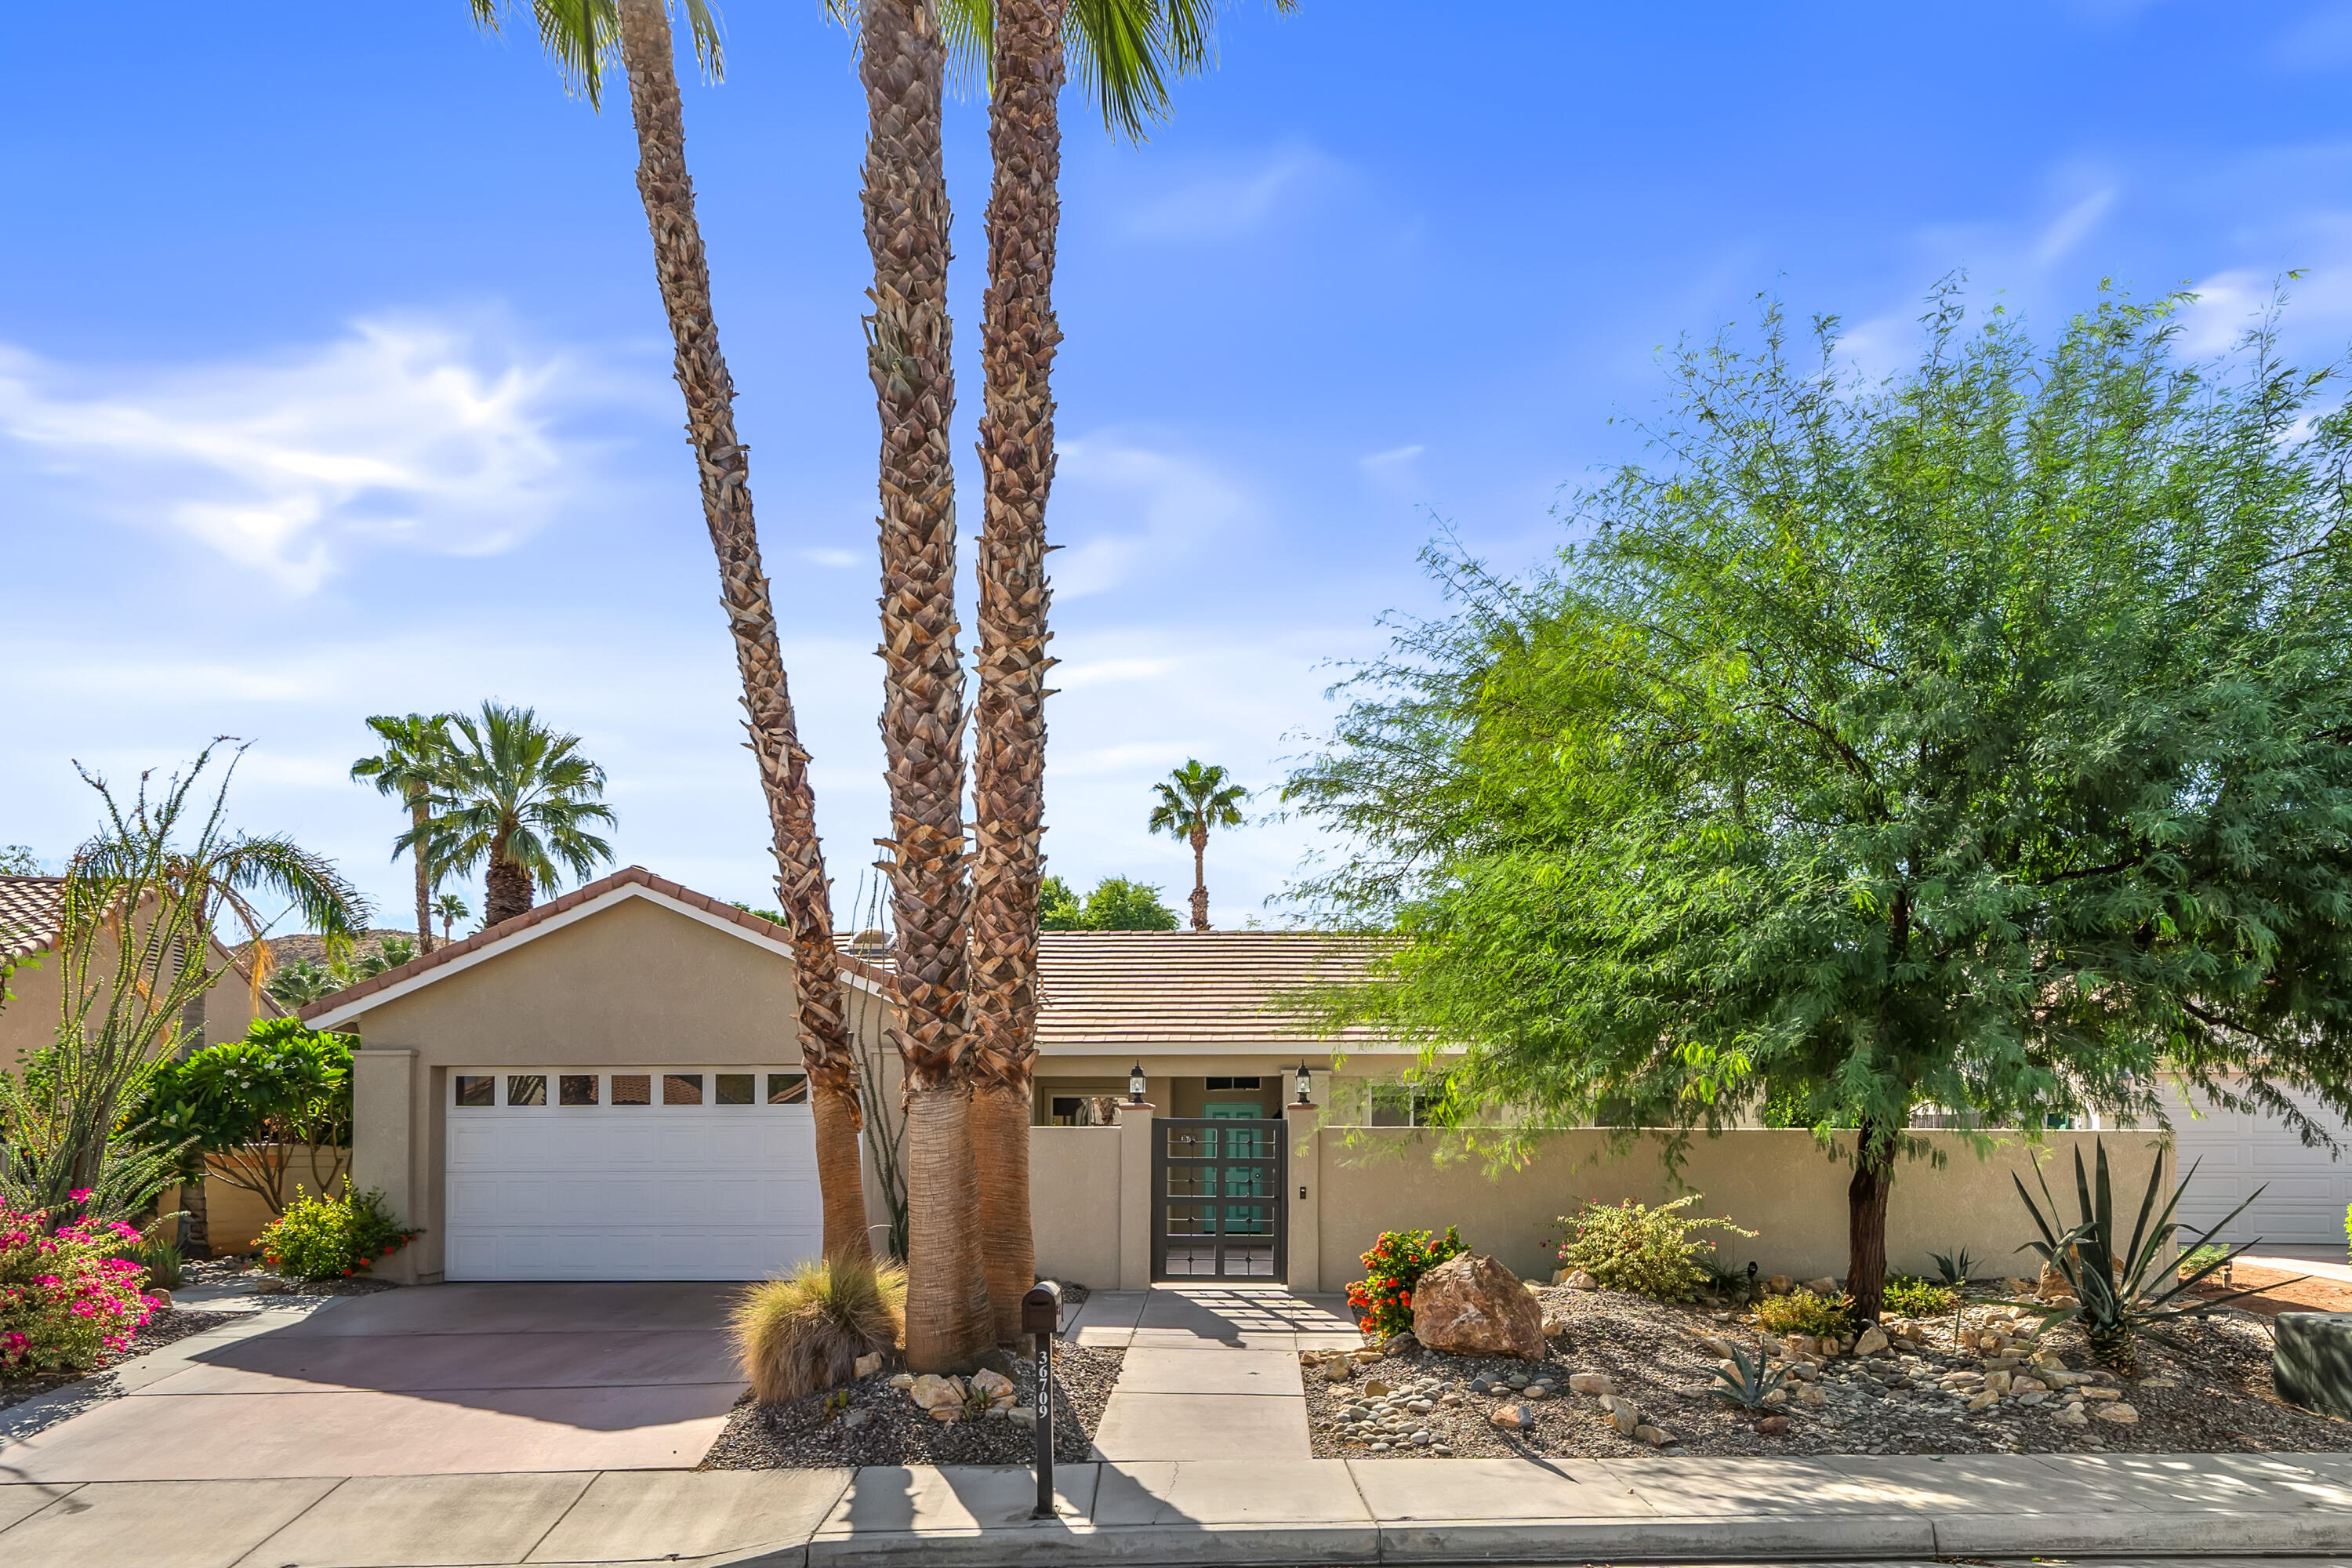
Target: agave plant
(2126,1290)
(1749,1381)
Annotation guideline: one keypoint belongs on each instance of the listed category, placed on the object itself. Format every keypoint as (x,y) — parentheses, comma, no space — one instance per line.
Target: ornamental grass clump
(803,1332)
(66,1297)
(1648,1251)
(1382,1299)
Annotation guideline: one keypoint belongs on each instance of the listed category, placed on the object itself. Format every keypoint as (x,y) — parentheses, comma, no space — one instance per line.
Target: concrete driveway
(431,1380)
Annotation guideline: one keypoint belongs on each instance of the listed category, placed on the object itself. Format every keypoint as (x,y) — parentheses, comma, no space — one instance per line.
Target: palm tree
(517,795)
(1126,51)
(902,63)
(583,35)
(1192,800)
(449,909)
(415,747)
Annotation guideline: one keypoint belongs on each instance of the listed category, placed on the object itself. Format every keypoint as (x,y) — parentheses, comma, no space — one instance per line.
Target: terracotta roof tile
(28,914)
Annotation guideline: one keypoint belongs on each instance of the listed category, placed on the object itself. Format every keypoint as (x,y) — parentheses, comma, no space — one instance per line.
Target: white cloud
(402,434)
(1179,502)
(1229,203)
(2072,226)
(1395,458)
(840,560)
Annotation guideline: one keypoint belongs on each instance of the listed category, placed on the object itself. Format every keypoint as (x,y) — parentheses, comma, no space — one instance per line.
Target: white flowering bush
(66,1295)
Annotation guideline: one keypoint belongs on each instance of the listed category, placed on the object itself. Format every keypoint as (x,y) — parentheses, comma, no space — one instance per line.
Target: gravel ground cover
(878,1425)
(166,1325)
(1922,1394)
(246,1273)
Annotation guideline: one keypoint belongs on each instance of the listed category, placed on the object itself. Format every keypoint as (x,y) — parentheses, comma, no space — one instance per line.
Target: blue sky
(332,378)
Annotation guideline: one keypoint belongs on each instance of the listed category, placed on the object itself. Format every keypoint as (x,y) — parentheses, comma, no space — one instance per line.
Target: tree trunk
(417,814)
(902,63)
(506,890)
(1200,877)
(1016,447)
(803,890)
(197,1230)
(1865,1198)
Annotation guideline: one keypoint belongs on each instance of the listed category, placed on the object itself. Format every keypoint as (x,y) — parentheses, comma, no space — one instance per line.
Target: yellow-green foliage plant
(1803,1312)
(803,1332)
(1649,1251)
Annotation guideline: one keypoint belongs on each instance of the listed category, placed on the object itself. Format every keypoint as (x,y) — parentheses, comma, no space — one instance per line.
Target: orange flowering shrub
(1382,1299)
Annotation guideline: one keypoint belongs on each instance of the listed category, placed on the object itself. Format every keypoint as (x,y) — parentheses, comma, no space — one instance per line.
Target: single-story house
(29,907)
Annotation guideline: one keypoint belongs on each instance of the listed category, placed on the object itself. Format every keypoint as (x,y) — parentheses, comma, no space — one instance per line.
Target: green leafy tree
(1117,903)
(251,1110)
(415,754)
(1192,800)
(517,798)
(1976,739)
(18,860)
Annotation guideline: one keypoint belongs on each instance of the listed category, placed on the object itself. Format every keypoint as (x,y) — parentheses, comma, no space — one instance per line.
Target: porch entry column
(384,1142)
(1304,1194)
(1135,1214)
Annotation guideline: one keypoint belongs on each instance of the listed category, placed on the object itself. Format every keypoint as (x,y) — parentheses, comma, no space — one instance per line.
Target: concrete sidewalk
(1220,1511)
(1210,1371)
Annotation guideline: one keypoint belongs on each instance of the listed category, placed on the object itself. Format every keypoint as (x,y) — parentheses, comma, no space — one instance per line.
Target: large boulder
(1471,1305)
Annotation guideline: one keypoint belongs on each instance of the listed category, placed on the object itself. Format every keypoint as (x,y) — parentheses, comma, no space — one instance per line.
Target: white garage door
(2303,1191)
(649,1173)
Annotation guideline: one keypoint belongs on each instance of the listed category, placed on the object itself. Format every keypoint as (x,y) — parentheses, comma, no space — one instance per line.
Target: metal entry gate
(1216,1209)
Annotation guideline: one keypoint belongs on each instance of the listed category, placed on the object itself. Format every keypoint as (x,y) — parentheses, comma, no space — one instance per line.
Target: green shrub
(1649,1251)
(1803,1312)
(2198,1257)
(327,1238)
(162,1259)
(1382,1299)
(805,1332)
(1908,1295)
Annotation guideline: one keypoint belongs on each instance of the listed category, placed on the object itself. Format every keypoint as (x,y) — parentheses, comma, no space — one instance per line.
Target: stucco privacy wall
(1775,1183)
(235,1215)
(1074,1203)
(631,982)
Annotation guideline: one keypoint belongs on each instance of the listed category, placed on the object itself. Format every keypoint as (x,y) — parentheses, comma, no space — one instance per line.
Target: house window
(476,1090)
(633,1088)
(577,1088)
(526,1088)
(1403,1104)
(1249,1083)
(682,1088)
(732,1088)
(787,1089)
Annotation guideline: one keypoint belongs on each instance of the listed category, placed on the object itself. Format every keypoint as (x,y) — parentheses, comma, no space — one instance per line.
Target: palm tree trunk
(1016,445)
(1200,877)
(418,813)
(649,59)
(902,65)
(506,889)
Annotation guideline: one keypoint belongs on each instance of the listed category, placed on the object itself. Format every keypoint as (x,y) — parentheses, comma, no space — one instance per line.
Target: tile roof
(562,904)
(29,913)
(1125,991)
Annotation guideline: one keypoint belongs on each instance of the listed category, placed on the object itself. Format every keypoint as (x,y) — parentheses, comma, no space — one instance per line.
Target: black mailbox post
(1041,1318)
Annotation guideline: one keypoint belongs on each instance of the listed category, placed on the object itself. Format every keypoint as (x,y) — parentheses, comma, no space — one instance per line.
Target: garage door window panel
(787,1089)
(525,1089)
(476,1091)
(633,1088)
(577,1088)
(682,1088)
(732,1088)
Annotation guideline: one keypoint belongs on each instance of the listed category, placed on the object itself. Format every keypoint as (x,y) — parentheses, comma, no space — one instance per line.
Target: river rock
(2121,1414)
(997,1387)
(1514,1417)
(1779,1285)
(942,1398)
(1872,1341)
(1773,1426)
(2071,1415)
(1471,1305)
(1592,1382)
(868,1365)
(1824,1286)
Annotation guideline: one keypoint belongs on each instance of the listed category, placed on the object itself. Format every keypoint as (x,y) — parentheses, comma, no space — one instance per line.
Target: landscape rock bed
(166,1325)
(879,1424)
(241,1271)
(1655,1363)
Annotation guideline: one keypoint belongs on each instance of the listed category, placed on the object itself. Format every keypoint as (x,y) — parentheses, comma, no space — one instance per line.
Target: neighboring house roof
(1135,991)
(28,914)
(630,882)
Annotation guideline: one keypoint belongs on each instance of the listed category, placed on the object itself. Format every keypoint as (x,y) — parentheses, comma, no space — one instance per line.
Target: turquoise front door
(1244,1181)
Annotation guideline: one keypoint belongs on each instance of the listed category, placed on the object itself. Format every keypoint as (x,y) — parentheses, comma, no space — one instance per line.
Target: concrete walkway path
(1210,1372)
(1236,1511)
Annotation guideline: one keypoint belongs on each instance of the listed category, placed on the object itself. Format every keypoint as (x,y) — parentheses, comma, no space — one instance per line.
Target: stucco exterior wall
(1074,1203)
(28,1021)
(633,984)
(235,1216)
(1775,1183)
